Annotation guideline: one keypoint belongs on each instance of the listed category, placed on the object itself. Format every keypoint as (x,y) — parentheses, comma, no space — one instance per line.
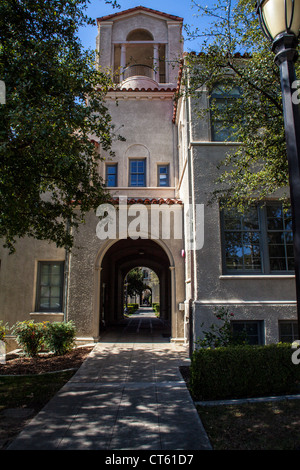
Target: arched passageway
(120,258)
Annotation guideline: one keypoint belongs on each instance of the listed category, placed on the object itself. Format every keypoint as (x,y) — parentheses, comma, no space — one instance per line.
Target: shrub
(29,336)
(132,308)
(155,307)
(60,336)
(220,333)
(3,330)
(243,371)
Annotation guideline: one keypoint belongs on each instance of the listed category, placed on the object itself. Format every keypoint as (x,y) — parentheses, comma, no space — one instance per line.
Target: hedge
(243,371)
(132,308)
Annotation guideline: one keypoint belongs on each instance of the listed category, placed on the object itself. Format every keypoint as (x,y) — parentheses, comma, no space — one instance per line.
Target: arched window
(139,35)
(222,97)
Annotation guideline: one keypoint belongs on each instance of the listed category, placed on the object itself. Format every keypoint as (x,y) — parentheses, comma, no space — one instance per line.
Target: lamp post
(280,22)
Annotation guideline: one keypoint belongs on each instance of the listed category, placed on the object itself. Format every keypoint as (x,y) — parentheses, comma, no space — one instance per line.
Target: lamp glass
(277,15)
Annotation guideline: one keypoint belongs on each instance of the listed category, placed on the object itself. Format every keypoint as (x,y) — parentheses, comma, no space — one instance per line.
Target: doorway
(119,259)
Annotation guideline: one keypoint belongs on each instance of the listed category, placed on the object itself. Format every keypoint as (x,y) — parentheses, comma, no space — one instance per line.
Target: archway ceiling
(142,252)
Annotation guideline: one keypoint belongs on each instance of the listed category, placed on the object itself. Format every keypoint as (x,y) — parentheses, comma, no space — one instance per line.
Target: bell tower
(141,47)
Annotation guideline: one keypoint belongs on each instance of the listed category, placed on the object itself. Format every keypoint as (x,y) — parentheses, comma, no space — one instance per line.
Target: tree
(135,282)
(54,114)
(235,53)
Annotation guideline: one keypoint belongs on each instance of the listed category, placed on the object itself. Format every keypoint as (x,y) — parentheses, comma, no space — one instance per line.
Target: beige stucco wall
(85,276)
(18,280)
(269,298)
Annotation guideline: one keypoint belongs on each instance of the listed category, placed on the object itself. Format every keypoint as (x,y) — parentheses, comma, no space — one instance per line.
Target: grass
(253,426)
(32,392)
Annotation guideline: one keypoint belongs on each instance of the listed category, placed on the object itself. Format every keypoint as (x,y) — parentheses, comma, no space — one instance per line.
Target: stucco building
(160,180)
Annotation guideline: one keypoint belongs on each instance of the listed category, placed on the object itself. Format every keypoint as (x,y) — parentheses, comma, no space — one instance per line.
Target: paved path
(128,394)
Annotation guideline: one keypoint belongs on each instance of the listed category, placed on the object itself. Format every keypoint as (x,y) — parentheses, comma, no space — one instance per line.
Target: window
(50,286)
(258,241)
(221,98)
(280,239)
(288,331)
(137,176)
(253,330)
(163,175)
(111,175)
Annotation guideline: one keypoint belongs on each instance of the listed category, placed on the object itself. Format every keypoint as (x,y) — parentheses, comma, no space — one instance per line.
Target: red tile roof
(142,89)
(131,10)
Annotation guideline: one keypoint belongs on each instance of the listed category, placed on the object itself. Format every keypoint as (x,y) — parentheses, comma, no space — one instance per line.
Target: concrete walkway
(128,394)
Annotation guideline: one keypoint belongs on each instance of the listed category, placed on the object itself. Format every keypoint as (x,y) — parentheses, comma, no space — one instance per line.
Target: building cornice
(131,11)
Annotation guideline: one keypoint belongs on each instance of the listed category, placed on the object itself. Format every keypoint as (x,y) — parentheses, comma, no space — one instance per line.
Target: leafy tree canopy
(135,282)
(235,54)
(48,161)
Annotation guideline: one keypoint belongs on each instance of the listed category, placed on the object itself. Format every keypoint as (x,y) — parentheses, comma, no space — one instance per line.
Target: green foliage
(135,282)
(60,336)
(220,333)
(234,52)
(3,330)
(47,121)
(33,337)
(243,371)
(30,336)
(132,308)
(155,307)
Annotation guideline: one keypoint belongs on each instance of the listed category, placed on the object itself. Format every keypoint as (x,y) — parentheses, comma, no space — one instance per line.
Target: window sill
(140,187)
(256,276)
(42,316)
(216,142)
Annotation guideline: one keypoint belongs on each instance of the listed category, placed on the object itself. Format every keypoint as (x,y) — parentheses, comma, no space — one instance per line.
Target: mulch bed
(23,365)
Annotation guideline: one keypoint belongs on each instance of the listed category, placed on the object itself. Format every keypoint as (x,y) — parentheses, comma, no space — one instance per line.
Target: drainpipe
(66,276)
(191,202)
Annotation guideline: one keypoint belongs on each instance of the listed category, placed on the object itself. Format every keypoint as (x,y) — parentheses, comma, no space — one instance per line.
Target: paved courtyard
(128,394)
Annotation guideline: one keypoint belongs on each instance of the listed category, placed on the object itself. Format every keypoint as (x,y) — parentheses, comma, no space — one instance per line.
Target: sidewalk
(128,394)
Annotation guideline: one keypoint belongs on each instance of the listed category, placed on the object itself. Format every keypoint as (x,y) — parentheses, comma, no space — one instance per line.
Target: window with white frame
(258,241)
(222,97)
(111,177)
(137,172)
(163,175)
(49,293)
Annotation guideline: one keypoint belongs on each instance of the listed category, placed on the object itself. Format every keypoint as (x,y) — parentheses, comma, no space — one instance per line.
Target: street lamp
(280,22)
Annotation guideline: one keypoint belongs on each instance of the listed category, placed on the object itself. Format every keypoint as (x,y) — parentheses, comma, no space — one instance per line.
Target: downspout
(191,202)
(66,277)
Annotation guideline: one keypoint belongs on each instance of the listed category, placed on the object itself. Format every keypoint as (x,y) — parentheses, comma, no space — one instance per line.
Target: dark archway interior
(118,260)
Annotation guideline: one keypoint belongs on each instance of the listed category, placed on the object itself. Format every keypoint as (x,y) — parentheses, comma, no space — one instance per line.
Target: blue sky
(182,8)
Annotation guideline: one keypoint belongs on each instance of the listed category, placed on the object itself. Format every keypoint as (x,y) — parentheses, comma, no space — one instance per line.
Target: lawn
(25,394)
(253,426)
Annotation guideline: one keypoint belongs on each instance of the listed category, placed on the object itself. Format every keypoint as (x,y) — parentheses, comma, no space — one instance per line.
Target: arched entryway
(115,262)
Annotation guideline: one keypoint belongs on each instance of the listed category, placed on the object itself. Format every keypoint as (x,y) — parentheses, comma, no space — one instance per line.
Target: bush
(155,307)
(60,336)
(30,336)
(132,308)
(243,371)
(220,333)
(3,330)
